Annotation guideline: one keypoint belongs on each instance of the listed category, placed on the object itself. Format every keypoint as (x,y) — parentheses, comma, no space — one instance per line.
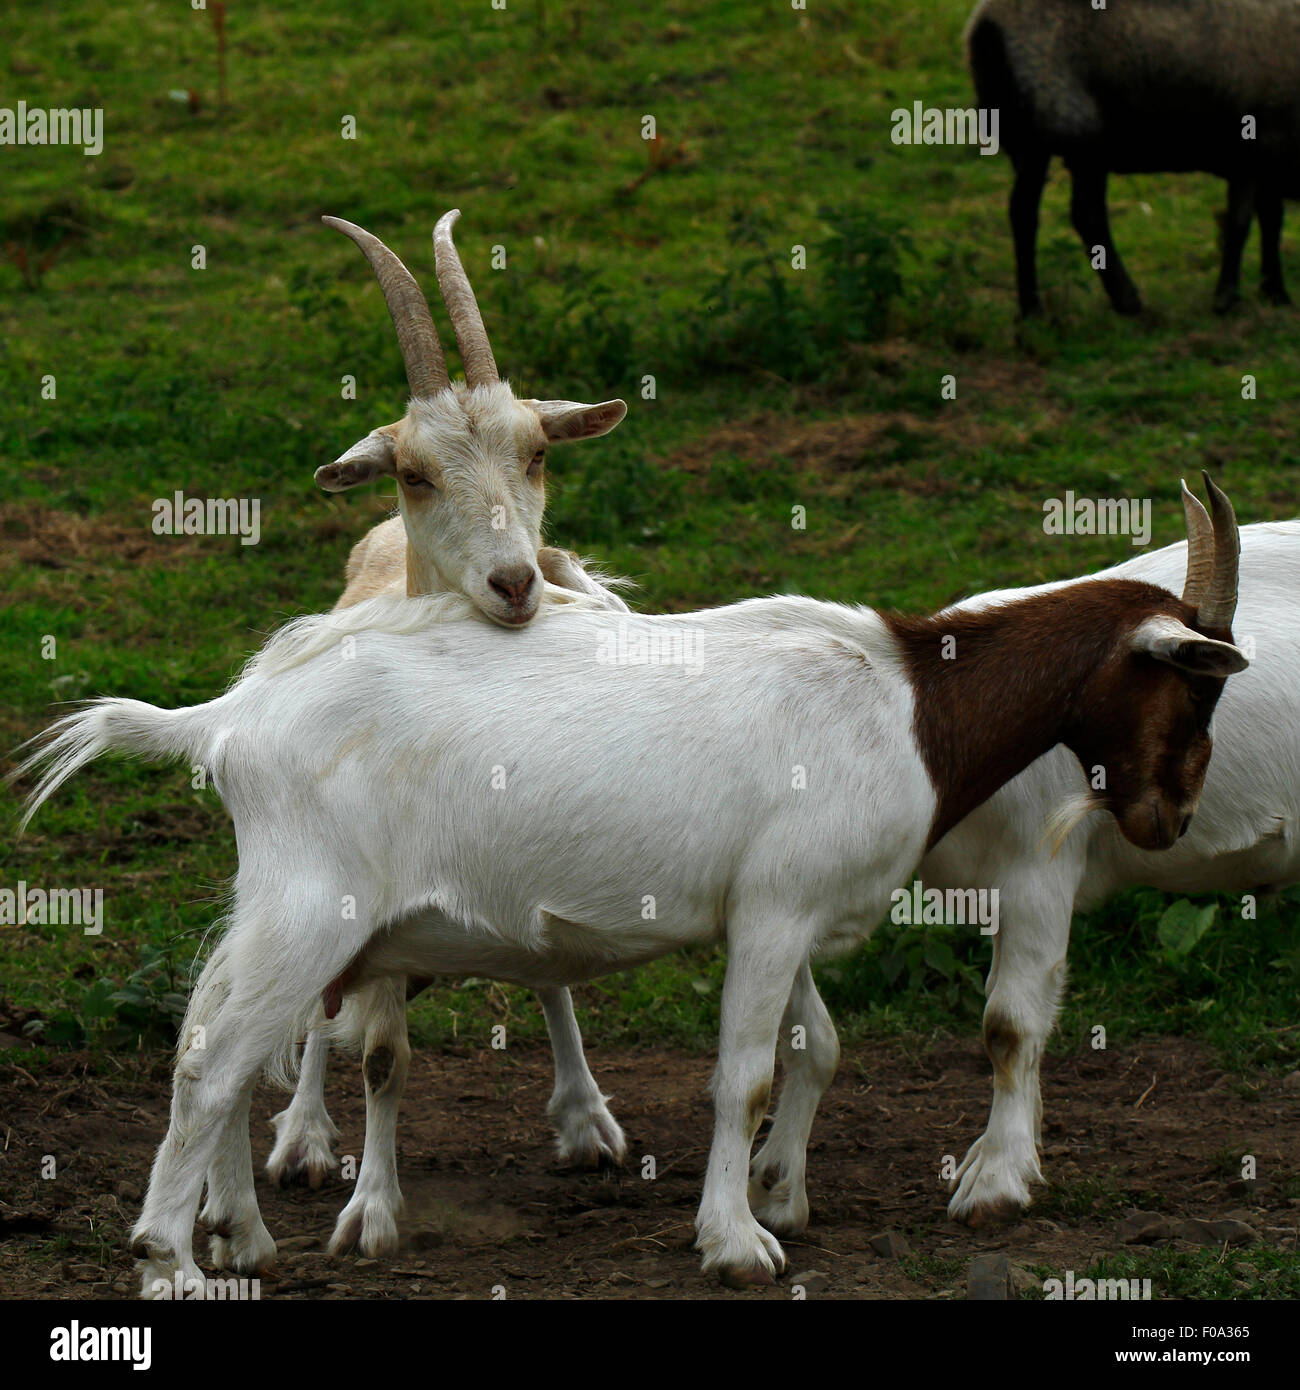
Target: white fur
(1246,834)
(376,832)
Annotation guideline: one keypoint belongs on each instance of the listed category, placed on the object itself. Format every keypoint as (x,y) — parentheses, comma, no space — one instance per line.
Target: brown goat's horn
(1216,609)
(466,321)
(426,369)
(1200,549)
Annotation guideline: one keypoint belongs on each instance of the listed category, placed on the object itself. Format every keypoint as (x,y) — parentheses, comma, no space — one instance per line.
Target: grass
(774,388)
(1254,1272)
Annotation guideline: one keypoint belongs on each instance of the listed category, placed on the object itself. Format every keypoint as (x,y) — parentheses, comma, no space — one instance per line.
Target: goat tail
(124,726)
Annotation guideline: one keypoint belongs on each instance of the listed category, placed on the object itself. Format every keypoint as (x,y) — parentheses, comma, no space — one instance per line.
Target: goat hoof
(142,1248)
(995,1213)
(303,1165)
(742,1277)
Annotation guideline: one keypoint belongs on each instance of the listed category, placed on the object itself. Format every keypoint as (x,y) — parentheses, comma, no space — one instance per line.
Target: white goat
(1245,839)
(395,817)
(470,465)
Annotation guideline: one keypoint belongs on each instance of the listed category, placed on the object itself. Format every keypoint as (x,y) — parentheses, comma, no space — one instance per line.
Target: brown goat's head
(1141,725)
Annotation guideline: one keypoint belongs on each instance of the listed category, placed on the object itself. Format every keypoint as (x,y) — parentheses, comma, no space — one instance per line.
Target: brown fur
(1056,668)
(378,1068)
(1001,1042)
(756,1106)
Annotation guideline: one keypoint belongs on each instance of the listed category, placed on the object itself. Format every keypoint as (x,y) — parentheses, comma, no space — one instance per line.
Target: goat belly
(432,944)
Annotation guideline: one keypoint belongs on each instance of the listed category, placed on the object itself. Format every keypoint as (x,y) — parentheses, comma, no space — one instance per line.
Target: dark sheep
(1144,86)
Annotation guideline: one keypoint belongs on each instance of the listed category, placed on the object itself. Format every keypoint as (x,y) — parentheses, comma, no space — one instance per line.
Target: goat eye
(415,480)
(536,462)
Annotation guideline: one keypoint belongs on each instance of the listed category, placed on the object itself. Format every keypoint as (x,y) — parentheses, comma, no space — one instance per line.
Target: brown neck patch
(996,688)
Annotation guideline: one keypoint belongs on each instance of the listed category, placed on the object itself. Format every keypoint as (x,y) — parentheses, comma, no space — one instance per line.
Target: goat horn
(466,321)
(1216,609)
(1200,549)
(426,369)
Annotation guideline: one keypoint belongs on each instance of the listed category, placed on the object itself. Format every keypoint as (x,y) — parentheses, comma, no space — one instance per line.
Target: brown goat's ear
(1168,640)
(370,458)
(566,421)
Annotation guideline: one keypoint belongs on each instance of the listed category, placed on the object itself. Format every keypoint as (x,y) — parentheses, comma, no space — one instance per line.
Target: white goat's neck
(421,576)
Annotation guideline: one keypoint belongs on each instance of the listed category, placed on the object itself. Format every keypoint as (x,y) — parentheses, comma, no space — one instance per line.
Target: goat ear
(566,421)
(370,458)
(1168,640)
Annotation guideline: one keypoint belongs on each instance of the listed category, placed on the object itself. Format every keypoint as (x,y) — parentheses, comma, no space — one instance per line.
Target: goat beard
(1062,821)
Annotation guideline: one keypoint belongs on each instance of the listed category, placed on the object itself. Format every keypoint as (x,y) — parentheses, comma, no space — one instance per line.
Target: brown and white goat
(772,791)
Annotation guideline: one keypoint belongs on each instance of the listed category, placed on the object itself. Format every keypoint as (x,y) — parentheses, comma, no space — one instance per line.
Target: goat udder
(332,995)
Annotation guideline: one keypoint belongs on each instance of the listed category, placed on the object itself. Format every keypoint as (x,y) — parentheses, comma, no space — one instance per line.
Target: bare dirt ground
(487,1206)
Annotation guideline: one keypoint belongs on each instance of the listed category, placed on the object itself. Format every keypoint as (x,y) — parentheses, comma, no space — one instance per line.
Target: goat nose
(512,582)
(1185,827)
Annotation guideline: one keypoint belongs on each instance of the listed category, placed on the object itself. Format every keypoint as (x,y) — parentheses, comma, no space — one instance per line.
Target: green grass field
(775,388)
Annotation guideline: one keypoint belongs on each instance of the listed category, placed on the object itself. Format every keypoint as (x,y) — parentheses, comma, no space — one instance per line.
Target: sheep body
(1165,86)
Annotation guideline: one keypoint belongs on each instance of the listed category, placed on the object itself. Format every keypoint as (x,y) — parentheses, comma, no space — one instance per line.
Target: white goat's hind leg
(238,1239)
(370,1218)
(232,1026)
(587,1135)
(239,1014)
(1024,992)
(809,1056)
(763,956)
(304,1132)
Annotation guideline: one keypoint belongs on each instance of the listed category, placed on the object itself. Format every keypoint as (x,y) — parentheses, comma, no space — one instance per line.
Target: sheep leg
(1026,194)
(1268,205)
(1088,213)
(809,1052)
(587,1135)
(1236,228)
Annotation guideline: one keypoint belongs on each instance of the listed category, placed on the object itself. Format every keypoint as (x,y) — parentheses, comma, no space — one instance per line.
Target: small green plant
(939,968)
(798,324)
(1181,926)
(145,1010)
(34,239)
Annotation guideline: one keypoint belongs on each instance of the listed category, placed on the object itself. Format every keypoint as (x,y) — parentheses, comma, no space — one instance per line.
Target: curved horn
(1200,549)
(1216,609)
(466,321)
(426,370)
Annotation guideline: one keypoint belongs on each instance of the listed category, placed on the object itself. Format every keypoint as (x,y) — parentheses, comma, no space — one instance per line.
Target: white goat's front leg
(238,1239)
(370,1218)
(1024,994)
(586,1134)
(763,957)
(809,1052)
(304,1132)
(562,567)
